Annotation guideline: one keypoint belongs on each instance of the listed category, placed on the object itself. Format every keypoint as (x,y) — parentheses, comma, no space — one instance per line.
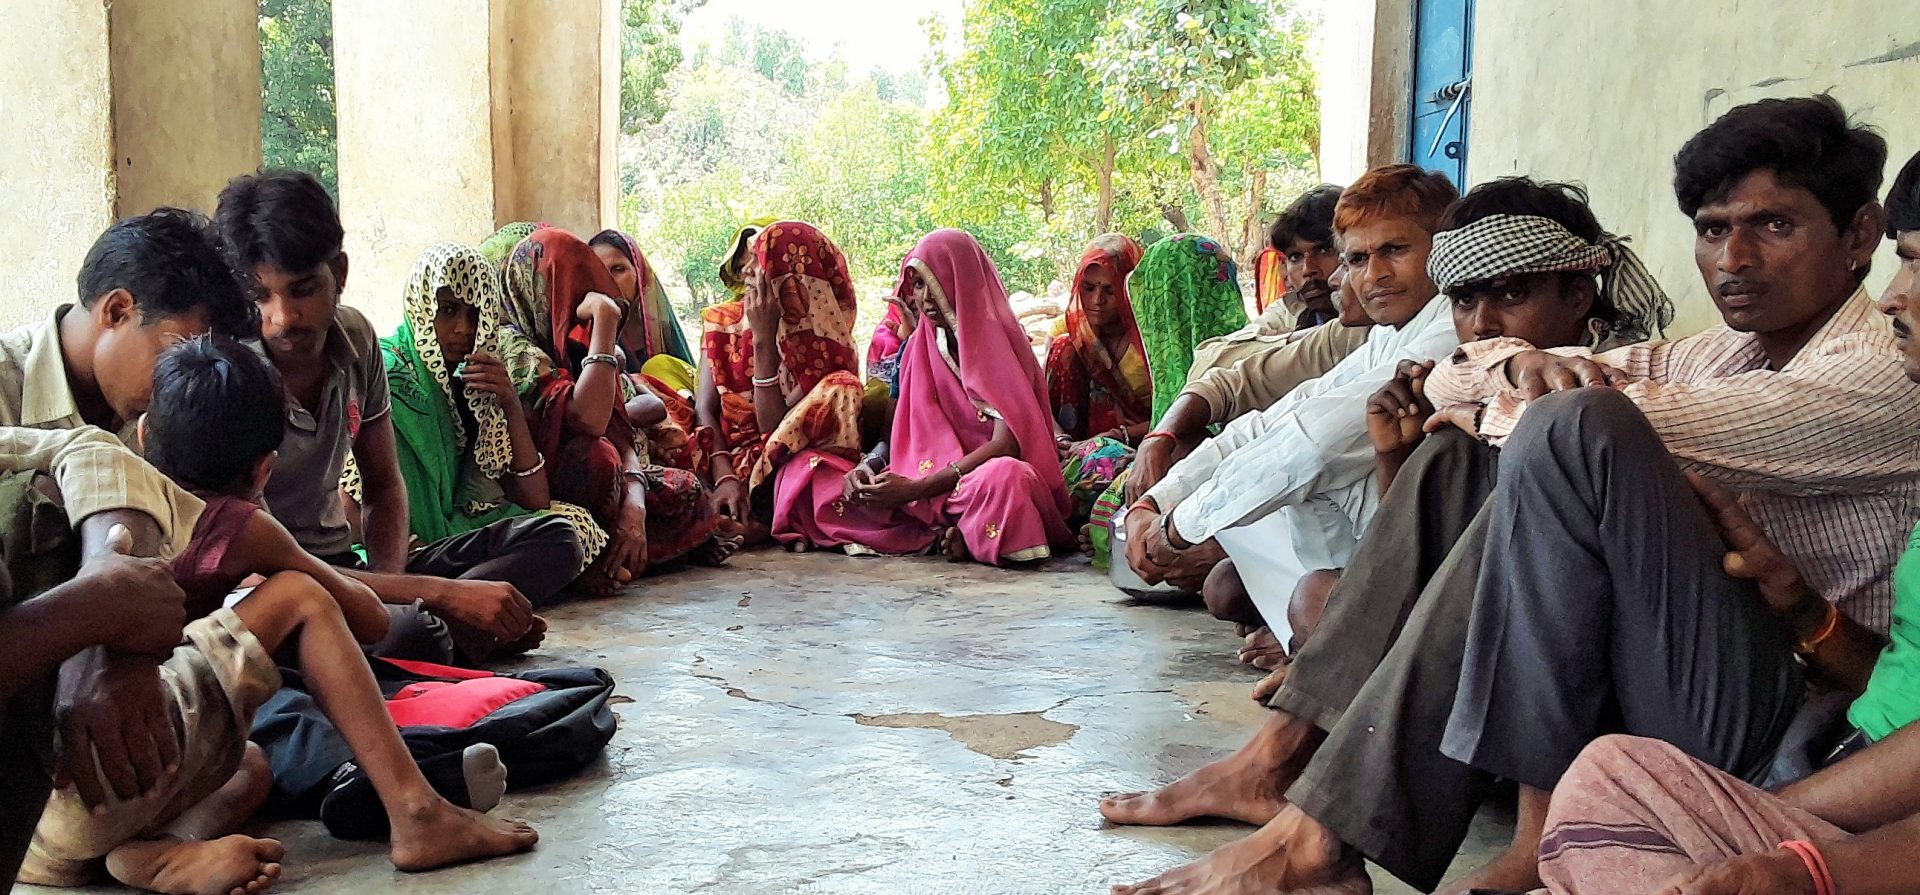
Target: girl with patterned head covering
(560,326)
(971,466)
(461,435)
(777,378)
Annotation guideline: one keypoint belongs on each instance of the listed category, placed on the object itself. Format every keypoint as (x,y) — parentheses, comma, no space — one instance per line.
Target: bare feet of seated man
(1290,854)
(1246,786)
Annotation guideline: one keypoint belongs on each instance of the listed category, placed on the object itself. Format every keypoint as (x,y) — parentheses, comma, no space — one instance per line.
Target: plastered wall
(555,74)
(186,100)
(416,144)
(56,152)
(1605,93)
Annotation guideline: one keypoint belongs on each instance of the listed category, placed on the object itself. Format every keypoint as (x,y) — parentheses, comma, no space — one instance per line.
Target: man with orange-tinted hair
(1288,490)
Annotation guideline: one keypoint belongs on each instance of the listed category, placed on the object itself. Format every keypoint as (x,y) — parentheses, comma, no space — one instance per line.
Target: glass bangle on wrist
(768,382)
(539,463)
(600,358)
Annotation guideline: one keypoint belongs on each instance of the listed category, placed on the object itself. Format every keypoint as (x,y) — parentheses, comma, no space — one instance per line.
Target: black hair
(280,217)
(1562,203)
(169,261)
(615,239)
(218,407)
(1807,142)
(1903,200)
(1308,219)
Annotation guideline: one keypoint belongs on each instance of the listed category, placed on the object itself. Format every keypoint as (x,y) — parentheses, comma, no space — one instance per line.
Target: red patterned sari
(809,275)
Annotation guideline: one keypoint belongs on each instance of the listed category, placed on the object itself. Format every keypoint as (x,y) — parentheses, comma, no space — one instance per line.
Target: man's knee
(1309,603)
(1223,591)
(1583,416)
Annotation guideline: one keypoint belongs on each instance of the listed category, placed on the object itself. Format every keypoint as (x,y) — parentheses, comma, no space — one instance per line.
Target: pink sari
(1010,509)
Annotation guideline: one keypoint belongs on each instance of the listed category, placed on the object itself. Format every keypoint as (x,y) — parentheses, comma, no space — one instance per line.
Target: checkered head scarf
(1503,245)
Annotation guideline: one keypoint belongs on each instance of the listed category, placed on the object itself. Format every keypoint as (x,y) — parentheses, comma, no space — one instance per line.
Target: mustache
(1727,288)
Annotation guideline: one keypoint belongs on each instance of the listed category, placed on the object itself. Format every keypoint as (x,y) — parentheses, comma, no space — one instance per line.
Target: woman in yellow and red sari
(777,372)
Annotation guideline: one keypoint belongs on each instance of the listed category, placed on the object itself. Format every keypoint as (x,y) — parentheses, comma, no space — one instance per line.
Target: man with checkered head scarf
(1514,259)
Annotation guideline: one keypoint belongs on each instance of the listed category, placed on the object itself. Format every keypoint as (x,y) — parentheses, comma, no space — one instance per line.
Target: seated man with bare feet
(213,428)
(53,480)
(1782,195)
(1248,371)
(463,600)
(1288,490)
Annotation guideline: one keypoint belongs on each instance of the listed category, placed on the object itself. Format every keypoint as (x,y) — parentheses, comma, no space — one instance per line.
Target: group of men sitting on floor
(1484,529)
(1499,535)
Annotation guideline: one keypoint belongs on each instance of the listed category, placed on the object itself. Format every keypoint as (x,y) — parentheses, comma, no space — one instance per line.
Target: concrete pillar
(556,72)
(186,100)
(457,117)
(112,114)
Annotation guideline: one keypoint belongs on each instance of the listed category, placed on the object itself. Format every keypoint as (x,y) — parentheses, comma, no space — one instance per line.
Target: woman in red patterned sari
(777,371)
(559,327)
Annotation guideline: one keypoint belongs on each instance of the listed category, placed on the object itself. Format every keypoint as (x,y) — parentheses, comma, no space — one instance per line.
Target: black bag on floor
(547,724)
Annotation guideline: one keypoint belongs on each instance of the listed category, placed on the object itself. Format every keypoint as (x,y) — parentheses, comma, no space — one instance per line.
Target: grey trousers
(1379,674)
(1585,599)
(538,555)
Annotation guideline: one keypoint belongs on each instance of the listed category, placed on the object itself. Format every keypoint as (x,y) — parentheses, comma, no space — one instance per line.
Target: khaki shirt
(1244,372)
(41,430)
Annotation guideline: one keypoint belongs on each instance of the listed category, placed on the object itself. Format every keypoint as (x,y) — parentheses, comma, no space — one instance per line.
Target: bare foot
(1086,539)
(440,834)
(527,643)
(233,865)
(1270,684)
(954,545)
(1508,872)
(596,583)
(1291,854)
(722,545)
(1263,650)
(229,807)
(1246,786)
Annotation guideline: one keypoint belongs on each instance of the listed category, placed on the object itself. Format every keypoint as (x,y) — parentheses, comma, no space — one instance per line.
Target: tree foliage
(298,125)
(649,52)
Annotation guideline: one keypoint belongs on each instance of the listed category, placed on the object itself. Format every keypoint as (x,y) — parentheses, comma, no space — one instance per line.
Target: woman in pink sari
(971,468)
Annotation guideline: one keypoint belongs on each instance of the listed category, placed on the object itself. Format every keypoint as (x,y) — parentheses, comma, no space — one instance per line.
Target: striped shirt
(1824,452)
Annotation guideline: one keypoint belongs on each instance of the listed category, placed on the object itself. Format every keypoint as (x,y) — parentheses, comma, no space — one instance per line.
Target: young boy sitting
(213,426)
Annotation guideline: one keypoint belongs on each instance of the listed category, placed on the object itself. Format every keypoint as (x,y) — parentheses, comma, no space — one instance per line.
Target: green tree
(649,53)
(297,121)
(1189,66)
(1026,119)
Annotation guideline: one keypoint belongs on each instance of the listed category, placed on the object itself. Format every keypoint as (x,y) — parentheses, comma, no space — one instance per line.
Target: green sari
(452,474)
(1185,291)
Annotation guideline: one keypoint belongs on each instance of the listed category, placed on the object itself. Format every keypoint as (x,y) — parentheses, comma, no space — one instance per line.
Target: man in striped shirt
(1604,607)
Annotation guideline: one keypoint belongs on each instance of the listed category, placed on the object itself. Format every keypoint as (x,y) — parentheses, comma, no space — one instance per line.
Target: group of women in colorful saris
(970,447)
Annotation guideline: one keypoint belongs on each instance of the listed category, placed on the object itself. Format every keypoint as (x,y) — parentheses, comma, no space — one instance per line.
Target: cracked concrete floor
(824,724)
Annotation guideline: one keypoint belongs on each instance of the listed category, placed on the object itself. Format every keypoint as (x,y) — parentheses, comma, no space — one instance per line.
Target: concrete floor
(823,724)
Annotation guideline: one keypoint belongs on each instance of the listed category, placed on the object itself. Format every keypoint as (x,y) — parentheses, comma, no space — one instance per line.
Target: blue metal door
(1442,86)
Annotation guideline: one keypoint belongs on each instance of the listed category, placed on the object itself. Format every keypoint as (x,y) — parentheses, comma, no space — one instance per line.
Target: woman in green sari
(1185,291)
(461,434)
